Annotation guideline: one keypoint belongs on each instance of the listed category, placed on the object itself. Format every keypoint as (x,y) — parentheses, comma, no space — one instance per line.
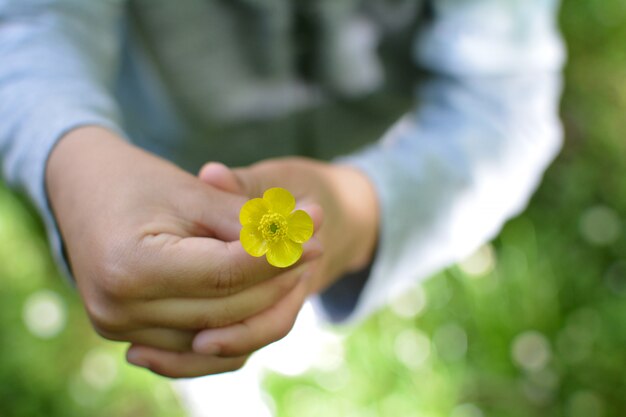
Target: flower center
(273,227)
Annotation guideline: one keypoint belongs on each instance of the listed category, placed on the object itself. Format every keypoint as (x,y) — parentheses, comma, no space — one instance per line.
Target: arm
(58,66)
(153,251)
(451,172)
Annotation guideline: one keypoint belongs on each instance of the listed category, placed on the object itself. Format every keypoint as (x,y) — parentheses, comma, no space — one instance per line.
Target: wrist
(79,148)
(79,166)
(360,204)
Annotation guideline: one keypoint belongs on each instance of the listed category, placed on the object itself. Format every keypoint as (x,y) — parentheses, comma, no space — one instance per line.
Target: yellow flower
(270,228)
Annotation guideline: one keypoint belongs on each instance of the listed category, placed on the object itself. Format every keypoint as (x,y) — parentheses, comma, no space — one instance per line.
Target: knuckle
(105,334)
(107,320)
(171,366)
(282,329)
(238,364)
(214,320)
(228,279)
(208,321)
(119,275)
(120,282)
(114,286)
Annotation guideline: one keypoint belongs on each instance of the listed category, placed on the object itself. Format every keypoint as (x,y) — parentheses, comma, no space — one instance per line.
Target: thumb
(221,177)
(242,181)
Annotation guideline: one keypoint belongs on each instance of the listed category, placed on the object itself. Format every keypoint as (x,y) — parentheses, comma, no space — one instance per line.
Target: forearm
(58,64)
(80,168)
(358,203)
(450,173)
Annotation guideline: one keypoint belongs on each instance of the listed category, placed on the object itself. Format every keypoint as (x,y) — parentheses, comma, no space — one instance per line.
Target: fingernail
(204,345)
(135,358)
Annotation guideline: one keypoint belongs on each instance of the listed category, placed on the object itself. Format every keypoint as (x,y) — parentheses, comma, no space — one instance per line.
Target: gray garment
(269,78)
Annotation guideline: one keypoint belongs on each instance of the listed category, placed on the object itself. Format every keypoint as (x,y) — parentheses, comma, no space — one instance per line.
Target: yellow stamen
(273,227)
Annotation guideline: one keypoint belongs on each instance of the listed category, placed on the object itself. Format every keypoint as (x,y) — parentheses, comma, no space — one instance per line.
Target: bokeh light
(585,404)
(600,225)
(334,381)
(412,348)
(480,263)
(410,303)
(451,342)
(82,393)
(44,314)
(99,369)
(531,350)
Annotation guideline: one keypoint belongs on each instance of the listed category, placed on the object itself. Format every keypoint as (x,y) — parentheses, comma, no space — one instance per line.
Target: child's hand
(156,256)
(350,227)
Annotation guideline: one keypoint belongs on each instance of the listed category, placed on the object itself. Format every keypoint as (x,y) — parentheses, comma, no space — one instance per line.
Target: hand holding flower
(156,256)
(345,194)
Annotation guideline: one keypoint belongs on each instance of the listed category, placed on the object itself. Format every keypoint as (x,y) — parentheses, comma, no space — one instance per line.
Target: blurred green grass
(536,325)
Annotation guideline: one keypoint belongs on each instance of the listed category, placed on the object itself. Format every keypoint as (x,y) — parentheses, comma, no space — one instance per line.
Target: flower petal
(252,211)
(299,226)
(252,240)
(280,200)
(284,253)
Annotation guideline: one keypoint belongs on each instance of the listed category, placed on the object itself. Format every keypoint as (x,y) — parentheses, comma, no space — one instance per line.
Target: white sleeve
(451,172)
(58,62)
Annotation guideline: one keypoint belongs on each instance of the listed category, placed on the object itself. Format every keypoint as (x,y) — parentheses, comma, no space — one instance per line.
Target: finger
(237,180)
(256,332)
(221,177)
(211,212)
(203,267)
(181,364)
(202,313)
(161,338)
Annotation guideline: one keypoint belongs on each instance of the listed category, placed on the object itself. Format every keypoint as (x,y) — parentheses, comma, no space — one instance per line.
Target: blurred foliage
(542,330)
(534,324)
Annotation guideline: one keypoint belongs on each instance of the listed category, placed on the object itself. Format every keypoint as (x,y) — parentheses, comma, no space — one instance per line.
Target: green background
(535,325)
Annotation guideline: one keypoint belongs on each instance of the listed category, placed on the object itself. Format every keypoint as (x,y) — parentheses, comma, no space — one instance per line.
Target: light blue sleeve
(451,172)
(58,61)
